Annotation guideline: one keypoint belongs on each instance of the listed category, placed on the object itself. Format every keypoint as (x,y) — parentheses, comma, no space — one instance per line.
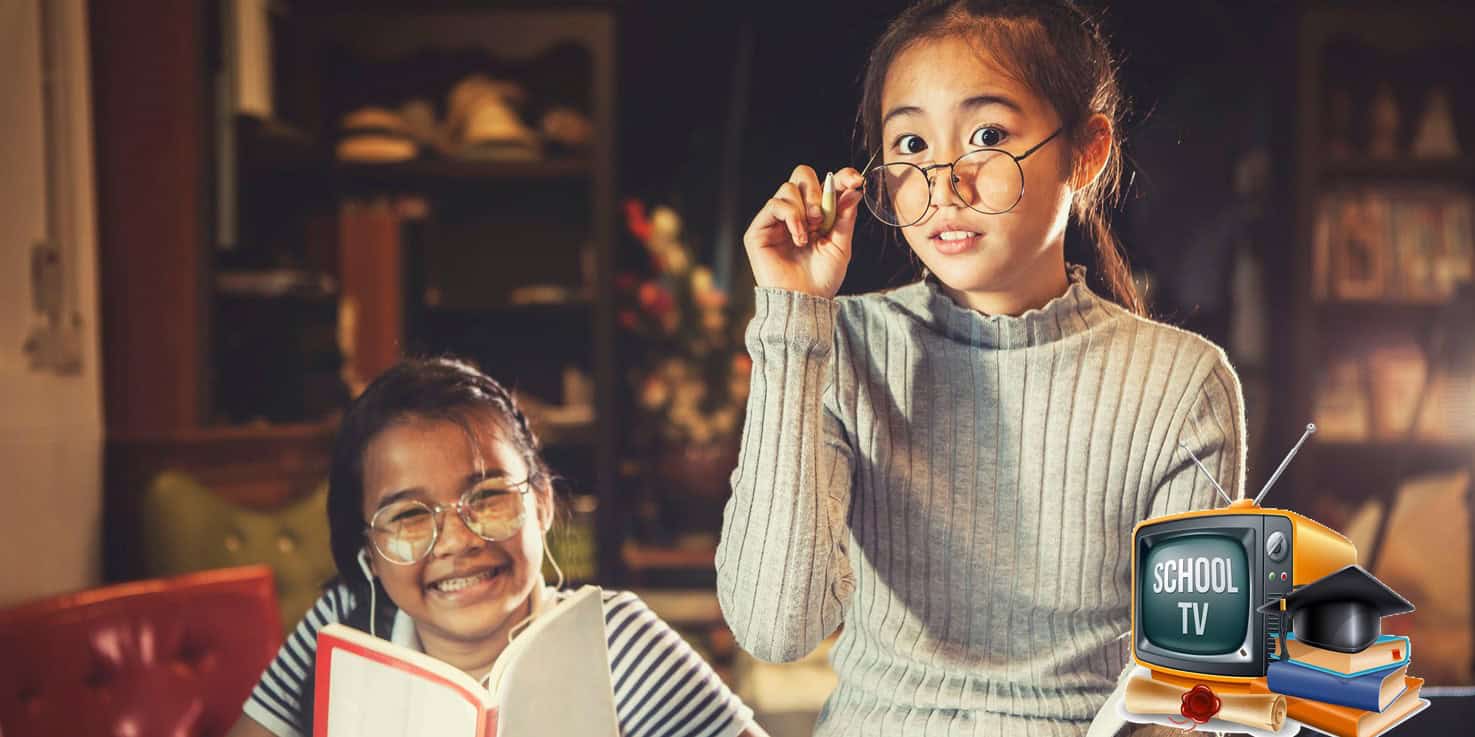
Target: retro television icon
(1200,578)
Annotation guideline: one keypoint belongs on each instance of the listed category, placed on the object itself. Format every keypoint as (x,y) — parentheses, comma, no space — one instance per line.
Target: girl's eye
(987,137)
(909,144)
(409,515)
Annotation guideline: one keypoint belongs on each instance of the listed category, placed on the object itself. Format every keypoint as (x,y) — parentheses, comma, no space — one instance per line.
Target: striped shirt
(960,491)
(662,688)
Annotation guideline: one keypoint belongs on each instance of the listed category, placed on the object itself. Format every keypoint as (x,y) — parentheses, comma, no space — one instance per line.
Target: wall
(50,425)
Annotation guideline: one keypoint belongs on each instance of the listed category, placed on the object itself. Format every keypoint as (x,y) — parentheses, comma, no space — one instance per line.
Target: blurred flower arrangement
(689,373)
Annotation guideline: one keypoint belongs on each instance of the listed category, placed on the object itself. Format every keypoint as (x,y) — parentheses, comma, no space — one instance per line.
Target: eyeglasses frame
(437,511)
(953,177)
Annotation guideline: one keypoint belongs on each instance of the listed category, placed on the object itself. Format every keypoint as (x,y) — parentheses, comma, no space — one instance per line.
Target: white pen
(827,204)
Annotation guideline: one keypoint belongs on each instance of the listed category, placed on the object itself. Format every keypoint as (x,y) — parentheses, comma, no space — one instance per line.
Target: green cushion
(186,527)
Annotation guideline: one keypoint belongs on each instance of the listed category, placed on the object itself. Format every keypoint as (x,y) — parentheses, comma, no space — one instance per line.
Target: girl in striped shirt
(436,445)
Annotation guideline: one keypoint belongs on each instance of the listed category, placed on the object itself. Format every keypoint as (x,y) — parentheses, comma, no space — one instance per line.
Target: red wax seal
(1200,704)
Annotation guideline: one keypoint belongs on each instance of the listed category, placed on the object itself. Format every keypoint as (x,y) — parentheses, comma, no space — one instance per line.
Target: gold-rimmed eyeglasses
(405,531)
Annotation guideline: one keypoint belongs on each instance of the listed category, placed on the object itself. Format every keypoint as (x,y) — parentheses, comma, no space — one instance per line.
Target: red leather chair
(171,657)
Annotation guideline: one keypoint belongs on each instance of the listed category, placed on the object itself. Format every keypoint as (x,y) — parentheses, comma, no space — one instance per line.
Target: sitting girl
(439,437)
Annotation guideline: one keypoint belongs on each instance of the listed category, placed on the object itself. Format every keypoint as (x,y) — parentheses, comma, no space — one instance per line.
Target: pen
(827,204)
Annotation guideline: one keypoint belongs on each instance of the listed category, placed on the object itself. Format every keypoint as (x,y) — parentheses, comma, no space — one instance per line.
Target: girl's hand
(783,247)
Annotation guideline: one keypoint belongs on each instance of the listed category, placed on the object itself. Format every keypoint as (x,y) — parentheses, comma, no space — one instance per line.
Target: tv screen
(1195,594)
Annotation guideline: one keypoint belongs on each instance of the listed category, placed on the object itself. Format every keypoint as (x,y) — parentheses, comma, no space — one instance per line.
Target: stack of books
(1359,694)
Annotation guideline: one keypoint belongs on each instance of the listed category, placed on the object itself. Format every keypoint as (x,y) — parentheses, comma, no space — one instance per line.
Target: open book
(553,679)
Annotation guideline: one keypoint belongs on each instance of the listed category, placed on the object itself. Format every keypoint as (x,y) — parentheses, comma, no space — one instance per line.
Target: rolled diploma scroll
(1261,711)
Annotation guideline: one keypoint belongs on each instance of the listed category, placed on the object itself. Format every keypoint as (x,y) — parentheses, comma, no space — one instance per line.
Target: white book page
(554,680)
(370,699)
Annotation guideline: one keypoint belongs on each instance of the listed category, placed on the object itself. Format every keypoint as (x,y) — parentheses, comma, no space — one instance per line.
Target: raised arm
(782,572)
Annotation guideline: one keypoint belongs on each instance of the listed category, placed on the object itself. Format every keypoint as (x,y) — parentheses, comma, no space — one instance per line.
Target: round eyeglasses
(405,531)
(988,180)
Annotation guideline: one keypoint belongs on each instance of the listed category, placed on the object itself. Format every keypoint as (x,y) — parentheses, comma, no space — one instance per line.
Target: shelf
(1375,317)
(288,284)
(464,328)
(649,557)
(271,147)
(575,306)
(431,172)
(683,607)
(1380,310)
(565,436)
(1417,455)
(1456,170)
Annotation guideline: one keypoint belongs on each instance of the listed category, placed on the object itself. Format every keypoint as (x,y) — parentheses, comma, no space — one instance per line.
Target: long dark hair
(441,388)
(1060,52)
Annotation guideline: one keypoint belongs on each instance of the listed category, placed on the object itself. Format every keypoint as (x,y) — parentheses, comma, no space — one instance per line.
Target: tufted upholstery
(188,527)
(166,657)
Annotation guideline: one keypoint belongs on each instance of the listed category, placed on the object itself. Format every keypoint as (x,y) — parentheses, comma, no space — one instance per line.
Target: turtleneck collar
(1075,311)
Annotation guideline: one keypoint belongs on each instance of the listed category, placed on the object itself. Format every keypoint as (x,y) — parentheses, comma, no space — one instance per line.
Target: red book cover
(552,680)
(363,680)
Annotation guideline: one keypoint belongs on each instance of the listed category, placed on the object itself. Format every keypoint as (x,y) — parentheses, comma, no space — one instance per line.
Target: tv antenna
(1205,472)
(1310,430)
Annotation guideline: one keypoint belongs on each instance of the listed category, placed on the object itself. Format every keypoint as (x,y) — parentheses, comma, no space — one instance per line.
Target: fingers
(797,207)
(848,207)
(787,207)
(810,191)
(849,179)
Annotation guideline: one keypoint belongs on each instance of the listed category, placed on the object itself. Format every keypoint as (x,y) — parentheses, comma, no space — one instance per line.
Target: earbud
(363,558)
(556,569)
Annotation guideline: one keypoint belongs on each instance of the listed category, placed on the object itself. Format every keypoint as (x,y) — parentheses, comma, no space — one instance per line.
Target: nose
(455,537)
(946,186)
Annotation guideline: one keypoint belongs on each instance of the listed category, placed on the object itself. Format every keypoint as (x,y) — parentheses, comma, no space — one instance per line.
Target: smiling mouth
(460,583)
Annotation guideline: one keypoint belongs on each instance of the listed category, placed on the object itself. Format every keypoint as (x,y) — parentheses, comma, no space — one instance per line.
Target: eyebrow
(389,499)
(476,477)
(970,104)
(473,478)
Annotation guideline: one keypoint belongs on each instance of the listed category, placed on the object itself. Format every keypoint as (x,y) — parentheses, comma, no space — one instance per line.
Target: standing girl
(953,469)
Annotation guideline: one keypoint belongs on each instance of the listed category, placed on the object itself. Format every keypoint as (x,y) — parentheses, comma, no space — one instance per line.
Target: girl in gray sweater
(952,469)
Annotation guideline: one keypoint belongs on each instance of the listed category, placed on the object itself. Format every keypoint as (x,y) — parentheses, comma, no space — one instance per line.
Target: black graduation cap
(1340,611)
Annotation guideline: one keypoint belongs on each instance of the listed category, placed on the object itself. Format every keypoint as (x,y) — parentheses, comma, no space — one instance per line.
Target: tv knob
(1275,546)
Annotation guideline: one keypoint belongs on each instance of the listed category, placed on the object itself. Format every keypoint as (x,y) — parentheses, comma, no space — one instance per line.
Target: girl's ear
(544,502)
(1094,154)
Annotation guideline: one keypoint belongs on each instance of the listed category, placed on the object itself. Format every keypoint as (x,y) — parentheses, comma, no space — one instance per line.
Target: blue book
(1371,691)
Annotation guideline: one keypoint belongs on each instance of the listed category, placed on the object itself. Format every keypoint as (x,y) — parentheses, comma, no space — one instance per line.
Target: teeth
(956,235)
(452,585)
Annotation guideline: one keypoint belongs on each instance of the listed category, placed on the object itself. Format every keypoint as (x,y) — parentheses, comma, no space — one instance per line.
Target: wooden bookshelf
(217,193)
(1316,325)
(1408,49)
(1459,170)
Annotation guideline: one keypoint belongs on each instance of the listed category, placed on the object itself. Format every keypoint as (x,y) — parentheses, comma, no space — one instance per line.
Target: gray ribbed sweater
(959,490)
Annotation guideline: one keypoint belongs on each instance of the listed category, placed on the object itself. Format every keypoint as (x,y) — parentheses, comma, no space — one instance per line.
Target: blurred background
(222,218)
